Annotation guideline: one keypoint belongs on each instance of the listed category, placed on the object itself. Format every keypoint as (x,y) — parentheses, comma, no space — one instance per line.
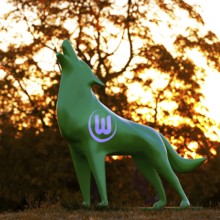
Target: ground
(56,212)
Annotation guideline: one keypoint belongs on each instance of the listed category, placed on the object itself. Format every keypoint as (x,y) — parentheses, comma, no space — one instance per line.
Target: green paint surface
(93,131)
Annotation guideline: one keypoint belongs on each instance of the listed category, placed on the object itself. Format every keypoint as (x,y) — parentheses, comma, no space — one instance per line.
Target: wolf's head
(80,72)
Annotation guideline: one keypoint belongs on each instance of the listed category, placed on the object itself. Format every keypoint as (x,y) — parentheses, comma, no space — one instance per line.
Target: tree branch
(127,27)
(35,109)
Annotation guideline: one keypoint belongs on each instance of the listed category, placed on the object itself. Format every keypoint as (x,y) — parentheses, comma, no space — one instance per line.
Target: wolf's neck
(72,96)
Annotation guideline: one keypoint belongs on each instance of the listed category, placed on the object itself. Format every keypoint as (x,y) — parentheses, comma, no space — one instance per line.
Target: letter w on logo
(102,129)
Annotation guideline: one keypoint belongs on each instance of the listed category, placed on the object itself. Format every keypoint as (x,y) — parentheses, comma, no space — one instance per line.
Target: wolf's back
(179,163)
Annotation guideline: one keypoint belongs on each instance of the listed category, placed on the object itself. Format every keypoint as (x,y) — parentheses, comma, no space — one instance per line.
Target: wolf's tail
(179,163)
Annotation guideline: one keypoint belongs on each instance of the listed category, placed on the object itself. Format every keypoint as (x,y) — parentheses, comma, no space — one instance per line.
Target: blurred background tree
(148,79)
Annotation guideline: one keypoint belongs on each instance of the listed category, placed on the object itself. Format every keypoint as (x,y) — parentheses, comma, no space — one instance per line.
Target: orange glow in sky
(210,12)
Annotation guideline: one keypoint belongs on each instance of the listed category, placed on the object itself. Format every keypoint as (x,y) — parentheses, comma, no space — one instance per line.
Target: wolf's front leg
(97,165)
(83,173)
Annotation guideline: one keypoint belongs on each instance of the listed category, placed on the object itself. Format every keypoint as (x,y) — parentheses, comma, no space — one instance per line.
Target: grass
(56,212)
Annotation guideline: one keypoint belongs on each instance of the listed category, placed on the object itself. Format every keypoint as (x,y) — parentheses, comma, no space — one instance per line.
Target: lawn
(56,212)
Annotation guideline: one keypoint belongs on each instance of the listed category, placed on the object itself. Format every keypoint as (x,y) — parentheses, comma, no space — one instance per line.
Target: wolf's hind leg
(83,174)
(150,173)
(164,168)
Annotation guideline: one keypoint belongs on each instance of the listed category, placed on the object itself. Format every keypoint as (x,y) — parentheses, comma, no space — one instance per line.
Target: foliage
(34,159)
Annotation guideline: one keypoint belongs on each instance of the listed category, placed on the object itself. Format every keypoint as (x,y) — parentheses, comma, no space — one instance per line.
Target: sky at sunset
(211,16)
(210,13)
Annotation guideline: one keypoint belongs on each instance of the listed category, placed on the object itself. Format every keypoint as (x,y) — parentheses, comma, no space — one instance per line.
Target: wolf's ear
(96,80)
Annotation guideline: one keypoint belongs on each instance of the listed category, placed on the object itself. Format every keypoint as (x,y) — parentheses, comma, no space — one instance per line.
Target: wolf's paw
(159,205)
(85,204)
(185,204)
(102,204)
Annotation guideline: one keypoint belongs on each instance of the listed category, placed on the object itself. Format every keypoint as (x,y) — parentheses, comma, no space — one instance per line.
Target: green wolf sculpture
(94,131)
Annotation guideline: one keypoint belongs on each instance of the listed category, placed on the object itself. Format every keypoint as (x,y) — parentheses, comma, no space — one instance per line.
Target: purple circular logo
(102,127)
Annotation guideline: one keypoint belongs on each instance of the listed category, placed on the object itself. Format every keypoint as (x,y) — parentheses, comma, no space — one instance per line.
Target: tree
(104,32)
